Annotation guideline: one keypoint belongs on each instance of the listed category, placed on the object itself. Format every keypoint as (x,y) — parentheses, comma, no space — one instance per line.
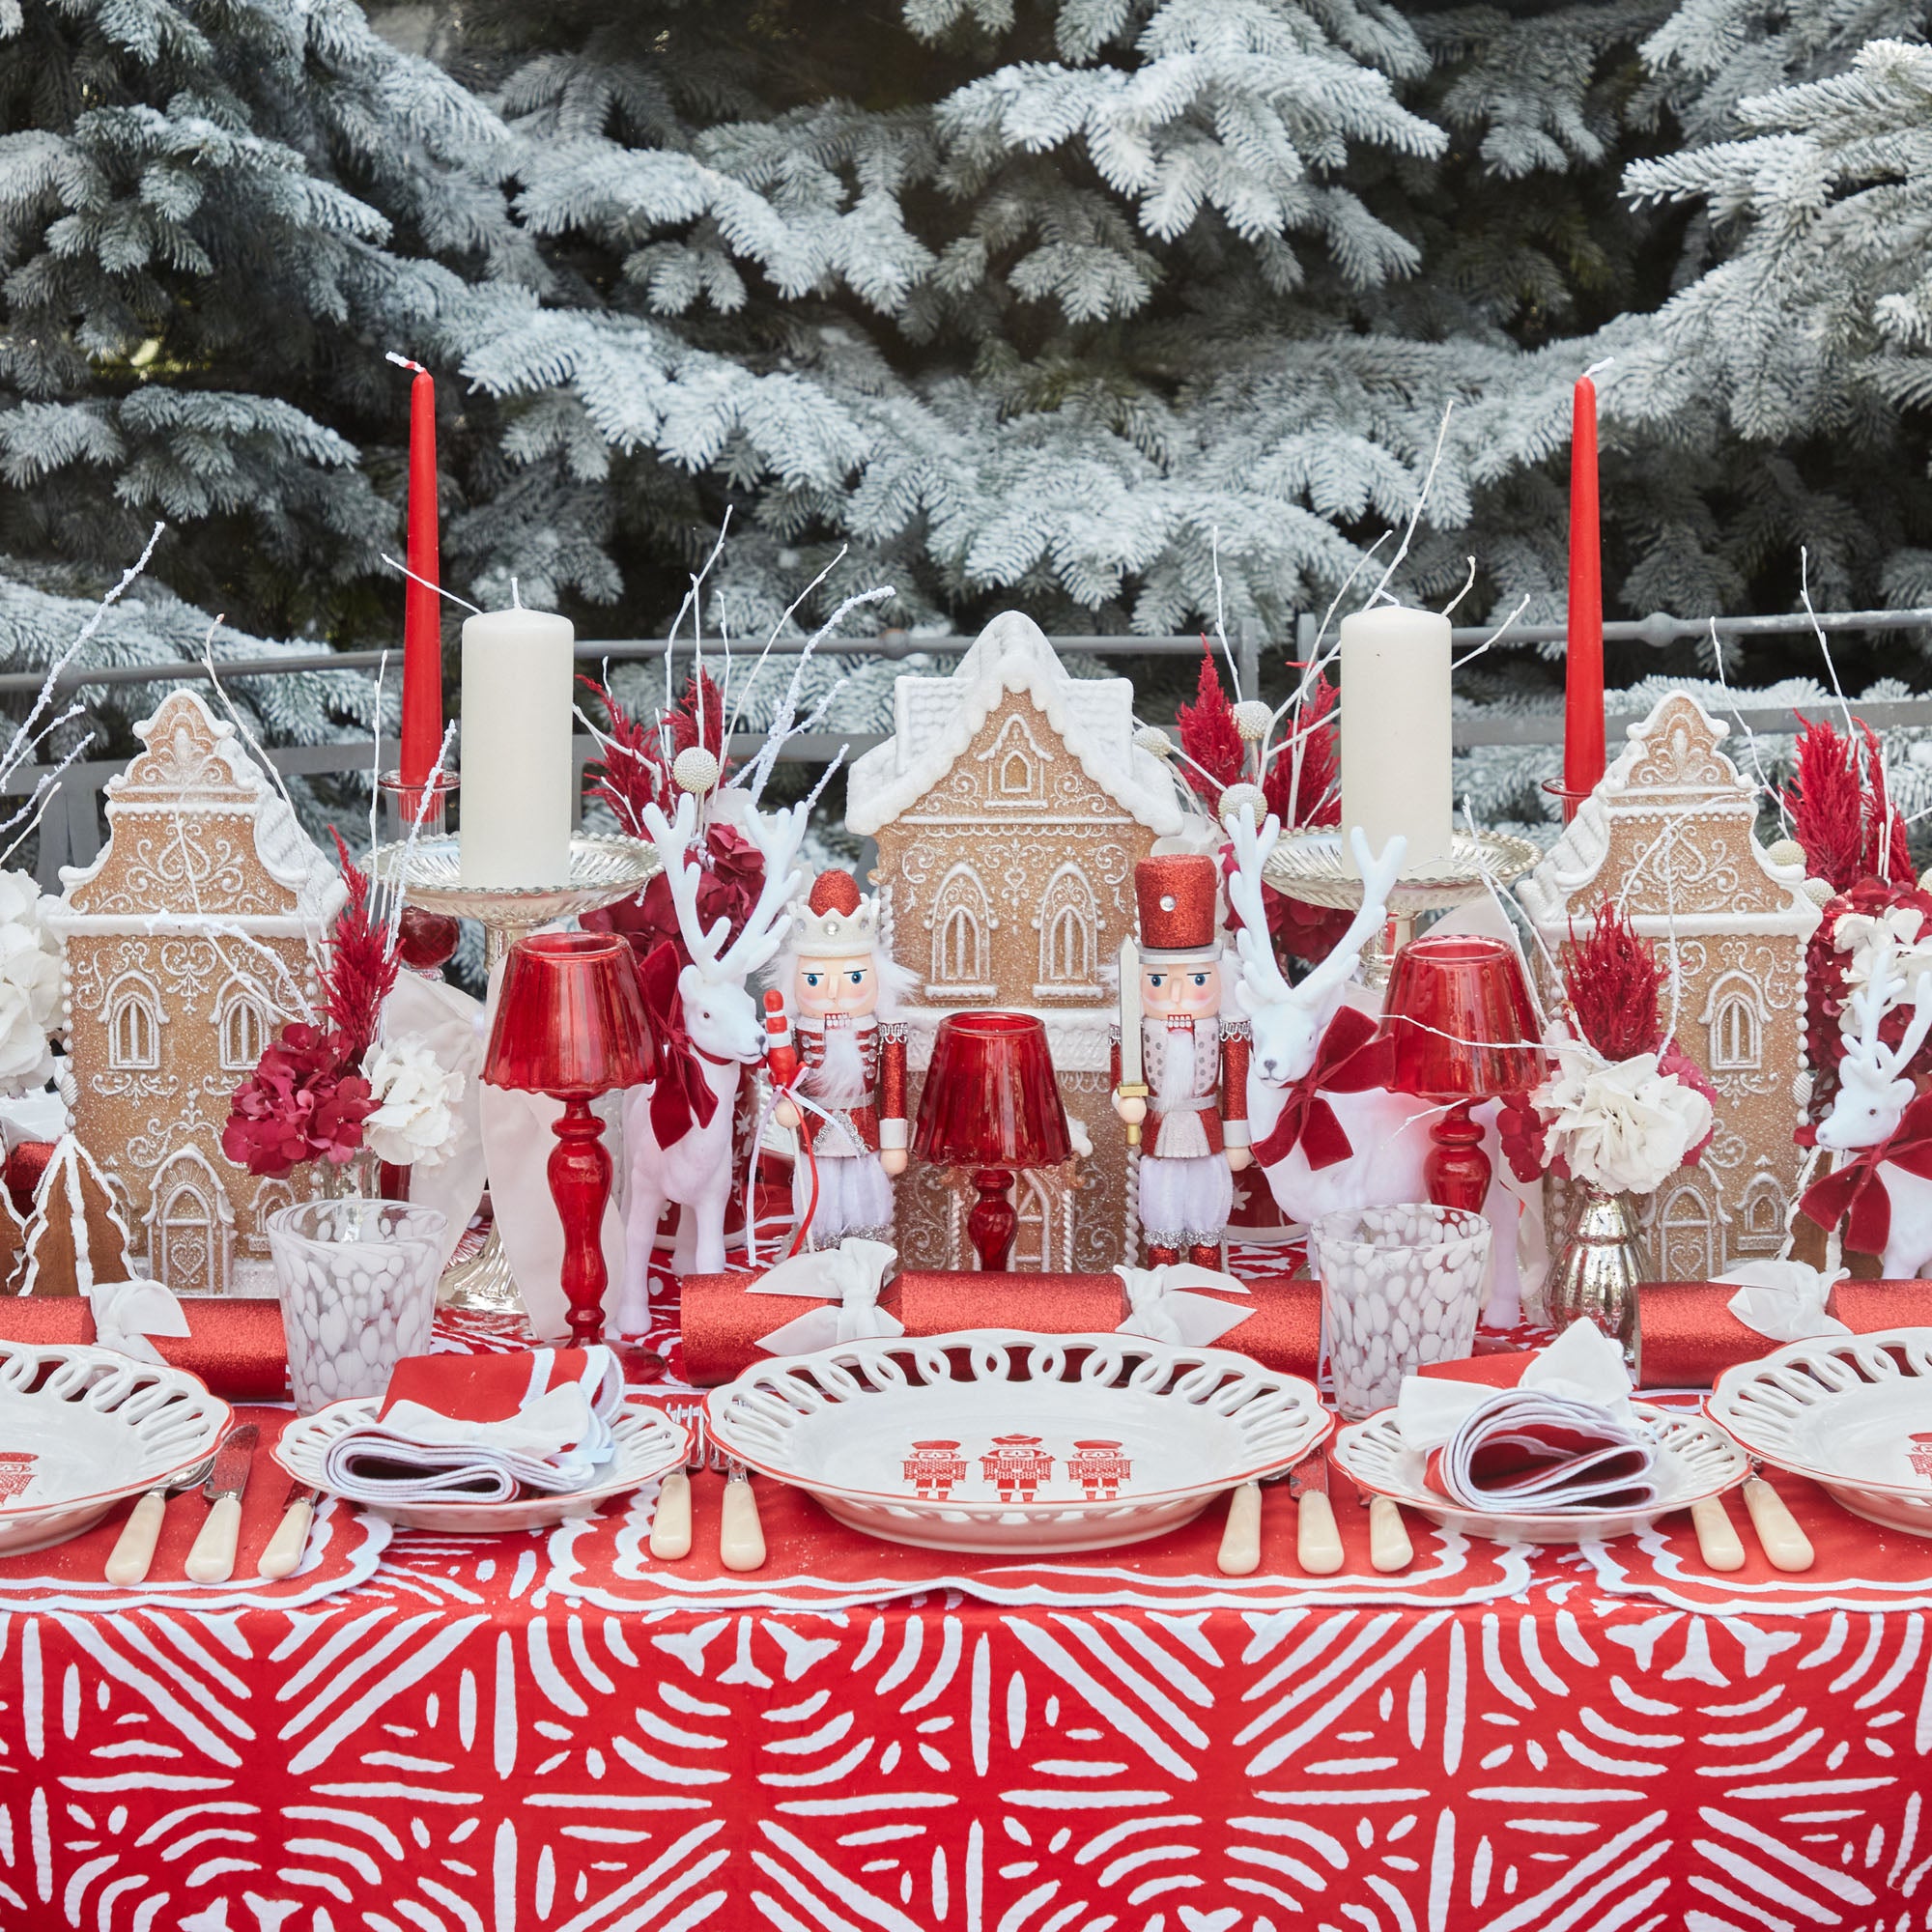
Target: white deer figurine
(725,1028)
(1866,1115)
(1387,1133)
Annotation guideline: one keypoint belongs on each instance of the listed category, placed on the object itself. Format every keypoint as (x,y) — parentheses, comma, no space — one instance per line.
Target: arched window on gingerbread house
(1761,1218)
(242,1023)
(1016,765)
(1068,937)
(961,937)
(1687,1237)
(133,1024)
(1734,1017)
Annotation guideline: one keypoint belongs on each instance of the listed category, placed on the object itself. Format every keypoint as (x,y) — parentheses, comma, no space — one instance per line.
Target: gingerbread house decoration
(185,941)
(1010,806)
(1669,836)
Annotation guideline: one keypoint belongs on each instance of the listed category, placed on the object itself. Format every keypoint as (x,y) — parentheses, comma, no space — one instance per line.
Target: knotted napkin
(682,1096)
(126,1313)
(849,1279)
(1563,1437)
(483,1429)
(1784,1300)
(1160,1308)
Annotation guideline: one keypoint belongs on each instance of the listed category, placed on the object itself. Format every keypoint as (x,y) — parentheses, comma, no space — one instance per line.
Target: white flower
(414,1123)
(1862,935)
(1625,1127)
(30,986)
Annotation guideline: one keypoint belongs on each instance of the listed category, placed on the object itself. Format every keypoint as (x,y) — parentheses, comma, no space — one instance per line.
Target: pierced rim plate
(1839,1410)
(1698,1460)
(994,1438)
(84,1428)
(649,1446)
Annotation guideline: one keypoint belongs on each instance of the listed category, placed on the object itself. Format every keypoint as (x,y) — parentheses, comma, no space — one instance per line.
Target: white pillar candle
(1395,731)
(516,766)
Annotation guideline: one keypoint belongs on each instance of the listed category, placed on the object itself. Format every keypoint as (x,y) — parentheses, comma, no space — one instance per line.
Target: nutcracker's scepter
(1133,1082)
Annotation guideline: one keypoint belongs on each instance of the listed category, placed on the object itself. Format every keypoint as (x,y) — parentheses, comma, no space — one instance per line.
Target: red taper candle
(1584,676)
(423,616)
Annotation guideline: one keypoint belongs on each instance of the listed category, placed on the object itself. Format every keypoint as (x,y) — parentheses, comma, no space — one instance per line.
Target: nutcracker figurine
(1193,1095)
(844,1075)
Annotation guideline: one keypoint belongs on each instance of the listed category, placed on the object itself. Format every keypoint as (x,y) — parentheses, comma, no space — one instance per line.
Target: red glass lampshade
(570,1022)
(991,1103)
(570,1017)
(1465,1028)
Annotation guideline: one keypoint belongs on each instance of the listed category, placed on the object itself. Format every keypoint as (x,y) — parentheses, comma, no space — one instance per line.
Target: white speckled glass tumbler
(357,1282)
(1400,1287)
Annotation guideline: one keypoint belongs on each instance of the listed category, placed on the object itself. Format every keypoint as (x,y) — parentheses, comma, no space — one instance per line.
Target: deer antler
(777,837)
(1379,876)
(1261,977)
(682,874)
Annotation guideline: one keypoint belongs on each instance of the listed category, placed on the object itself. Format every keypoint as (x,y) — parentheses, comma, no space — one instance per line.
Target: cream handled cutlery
(1240,1553)
(212,1560)
(1718,1538)
(1785,1545)
(133,1551)
(670,1521)
(284,1552)
(1318,1542)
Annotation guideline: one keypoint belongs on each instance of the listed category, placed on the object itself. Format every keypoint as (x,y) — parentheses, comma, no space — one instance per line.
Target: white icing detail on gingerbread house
(1669,836)
(1010,807)
(182,940)
(937,719)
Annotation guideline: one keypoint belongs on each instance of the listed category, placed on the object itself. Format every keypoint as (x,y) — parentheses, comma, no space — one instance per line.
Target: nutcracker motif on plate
(843,1067)
(1100,1468)
(1018,1466)
(1918,1453)
(1180,1065)
(934,1469)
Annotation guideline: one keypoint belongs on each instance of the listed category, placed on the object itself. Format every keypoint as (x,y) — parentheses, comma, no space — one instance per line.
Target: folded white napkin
(483,1429)
(1784,1300)
(1582,1363)
(126,1313)
(1529,1451)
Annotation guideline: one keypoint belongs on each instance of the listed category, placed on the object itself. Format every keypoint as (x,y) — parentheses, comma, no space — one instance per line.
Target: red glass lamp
(570,1023)
(1464,1030)
(991,1103)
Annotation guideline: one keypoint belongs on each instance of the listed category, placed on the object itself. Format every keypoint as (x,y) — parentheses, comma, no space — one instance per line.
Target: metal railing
(72,827)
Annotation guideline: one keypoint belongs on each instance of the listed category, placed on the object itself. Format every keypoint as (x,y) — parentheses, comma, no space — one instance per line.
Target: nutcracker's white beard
(840,1080)
(1176,1061)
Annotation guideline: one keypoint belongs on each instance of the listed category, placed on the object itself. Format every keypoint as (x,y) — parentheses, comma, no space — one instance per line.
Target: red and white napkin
(483,1428)
(1563,1437)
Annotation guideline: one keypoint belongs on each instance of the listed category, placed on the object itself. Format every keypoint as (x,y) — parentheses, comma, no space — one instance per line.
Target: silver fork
(133,1551)
(670,1527)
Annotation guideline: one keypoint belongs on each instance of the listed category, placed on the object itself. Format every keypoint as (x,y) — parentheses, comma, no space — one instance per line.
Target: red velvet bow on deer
(682,1098)
(1345,1062)
(1857,1195)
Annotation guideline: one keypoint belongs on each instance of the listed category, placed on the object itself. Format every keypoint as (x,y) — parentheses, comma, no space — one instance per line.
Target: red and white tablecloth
(547,1733)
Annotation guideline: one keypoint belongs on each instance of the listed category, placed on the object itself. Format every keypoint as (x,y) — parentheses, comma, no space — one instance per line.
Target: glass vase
(358,1282)
(1599,1270)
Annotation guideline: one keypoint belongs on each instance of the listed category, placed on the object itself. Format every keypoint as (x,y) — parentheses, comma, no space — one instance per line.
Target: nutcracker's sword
(1133,1081)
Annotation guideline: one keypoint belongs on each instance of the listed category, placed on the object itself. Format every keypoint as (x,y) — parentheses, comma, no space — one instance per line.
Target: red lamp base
(993,1222)
(1457,1170)
(580,1183)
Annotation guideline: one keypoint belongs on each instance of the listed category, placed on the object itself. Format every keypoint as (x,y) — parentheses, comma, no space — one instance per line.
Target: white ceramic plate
(993,1441)
(647,1446)
(1853,1412)
(82,1428)
(1695,1459)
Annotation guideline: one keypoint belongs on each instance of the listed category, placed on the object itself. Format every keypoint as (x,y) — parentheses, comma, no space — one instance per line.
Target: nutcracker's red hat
(1176,894)
(935,1445)
(1014,1439)
(1096,1445)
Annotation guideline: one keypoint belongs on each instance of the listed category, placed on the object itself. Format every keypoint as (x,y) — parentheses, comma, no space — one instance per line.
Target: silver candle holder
(1315,866)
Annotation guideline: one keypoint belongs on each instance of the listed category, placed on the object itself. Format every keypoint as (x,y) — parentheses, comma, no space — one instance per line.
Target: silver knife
(212,1560)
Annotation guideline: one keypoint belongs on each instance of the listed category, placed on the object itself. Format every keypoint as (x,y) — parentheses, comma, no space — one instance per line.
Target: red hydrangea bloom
(733,876)
(306,1101)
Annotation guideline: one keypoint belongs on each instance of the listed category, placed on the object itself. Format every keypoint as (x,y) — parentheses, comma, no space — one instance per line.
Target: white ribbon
(1582,1363)
(1784,1300)
(32,1116)
(126,1313)
(849,1277)
(1160,1308)
(450,1022)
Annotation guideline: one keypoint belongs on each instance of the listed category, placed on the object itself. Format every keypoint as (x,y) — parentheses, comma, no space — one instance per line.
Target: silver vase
(1596,1273)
